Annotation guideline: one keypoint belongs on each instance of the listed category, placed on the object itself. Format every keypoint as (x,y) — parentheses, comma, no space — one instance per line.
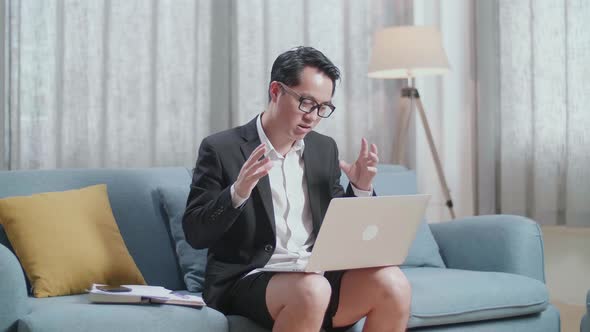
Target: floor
(567,268)
(570,316)
(567,263)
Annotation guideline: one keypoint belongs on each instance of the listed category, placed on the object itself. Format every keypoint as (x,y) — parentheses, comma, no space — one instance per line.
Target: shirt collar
(299,145)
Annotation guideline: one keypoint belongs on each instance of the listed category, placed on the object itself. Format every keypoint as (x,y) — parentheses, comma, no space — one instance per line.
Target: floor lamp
(406,52)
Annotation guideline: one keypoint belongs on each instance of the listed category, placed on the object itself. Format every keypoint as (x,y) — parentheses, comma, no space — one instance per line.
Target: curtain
(450,105)
(108,83)
(4,24)
(533,114)
(139,83)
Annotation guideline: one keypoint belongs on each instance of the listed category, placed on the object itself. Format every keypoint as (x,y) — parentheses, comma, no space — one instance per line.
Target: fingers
(368,156)
(364,149)
(255,155)
(374,148)
(345,167)
(262,171)
(259,166)
(252,171)
(374,154)
(373,159)
(262,146)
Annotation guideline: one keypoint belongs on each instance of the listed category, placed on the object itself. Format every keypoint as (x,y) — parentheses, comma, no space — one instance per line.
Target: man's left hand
(364,169)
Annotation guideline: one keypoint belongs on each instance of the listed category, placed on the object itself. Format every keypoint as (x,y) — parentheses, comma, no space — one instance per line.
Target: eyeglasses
(308,105)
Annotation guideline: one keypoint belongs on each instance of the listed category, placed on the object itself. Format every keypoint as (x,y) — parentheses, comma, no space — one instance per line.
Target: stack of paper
(144,294)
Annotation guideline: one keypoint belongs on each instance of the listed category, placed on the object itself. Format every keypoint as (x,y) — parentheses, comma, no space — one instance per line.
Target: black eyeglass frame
(301,99)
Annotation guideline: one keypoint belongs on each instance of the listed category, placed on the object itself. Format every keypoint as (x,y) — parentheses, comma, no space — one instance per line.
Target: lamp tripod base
(410,95)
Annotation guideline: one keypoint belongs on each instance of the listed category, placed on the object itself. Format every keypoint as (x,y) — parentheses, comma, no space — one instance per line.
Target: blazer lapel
(311,157)
(250,134)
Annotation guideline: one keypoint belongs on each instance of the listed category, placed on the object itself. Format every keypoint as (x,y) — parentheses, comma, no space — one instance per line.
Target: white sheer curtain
(534,117)
(450,106)
(510,120)
(108,83)
(139,83)
(3,85)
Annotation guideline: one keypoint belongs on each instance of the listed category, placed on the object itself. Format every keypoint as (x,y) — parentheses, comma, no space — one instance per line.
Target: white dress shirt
(290,200)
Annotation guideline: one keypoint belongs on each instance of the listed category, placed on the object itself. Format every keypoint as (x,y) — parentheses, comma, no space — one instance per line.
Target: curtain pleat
(540,120)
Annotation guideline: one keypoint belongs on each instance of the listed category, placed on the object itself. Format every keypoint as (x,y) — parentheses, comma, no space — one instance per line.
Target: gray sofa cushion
(192,261)
(75,313)
(447,296)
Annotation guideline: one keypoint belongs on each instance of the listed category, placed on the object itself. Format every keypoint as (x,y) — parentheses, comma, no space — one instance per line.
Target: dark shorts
(248,298)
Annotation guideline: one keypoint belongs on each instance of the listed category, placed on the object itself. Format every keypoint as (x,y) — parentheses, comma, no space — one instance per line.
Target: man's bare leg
(382,294)
(298,301)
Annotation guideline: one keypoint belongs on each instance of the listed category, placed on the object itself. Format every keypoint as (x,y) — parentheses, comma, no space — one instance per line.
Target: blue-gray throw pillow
(397,180)
(192,261)
(424,250)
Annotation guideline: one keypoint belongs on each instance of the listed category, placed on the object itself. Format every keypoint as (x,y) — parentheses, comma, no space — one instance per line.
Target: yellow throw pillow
(68,240)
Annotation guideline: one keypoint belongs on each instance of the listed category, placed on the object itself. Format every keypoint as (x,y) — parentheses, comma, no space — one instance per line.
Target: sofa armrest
(500,243)
(585,323)
(13,291)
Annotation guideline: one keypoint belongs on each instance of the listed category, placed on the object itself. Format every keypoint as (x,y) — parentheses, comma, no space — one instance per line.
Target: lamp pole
(410,96)
(407,52)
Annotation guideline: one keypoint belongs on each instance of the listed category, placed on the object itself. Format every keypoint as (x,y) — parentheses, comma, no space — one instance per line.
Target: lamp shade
(407,51)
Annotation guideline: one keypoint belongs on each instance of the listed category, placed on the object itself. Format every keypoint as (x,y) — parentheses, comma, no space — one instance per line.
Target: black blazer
(240,240)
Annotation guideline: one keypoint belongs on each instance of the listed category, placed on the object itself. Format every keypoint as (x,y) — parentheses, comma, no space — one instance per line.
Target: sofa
(481,273)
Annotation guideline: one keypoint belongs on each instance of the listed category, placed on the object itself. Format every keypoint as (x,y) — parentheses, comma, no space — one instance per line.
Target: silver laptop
(360,232)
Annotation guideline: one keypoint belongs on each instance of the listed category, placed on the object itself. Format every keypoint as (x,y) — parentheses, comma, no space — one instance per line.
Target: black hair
(288,66)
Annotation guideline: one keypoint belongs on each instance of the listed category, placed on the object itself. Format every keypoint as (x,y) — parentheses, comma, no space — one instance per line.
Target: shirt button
(268,248)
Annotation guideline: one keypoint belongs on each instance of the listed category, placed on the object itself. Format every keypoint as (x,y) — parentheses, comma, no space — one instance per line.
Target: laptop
(361,232)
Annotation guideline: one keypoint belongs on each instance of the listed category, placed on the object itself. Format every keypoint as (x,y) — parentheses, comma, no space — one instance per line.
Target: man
(258,196)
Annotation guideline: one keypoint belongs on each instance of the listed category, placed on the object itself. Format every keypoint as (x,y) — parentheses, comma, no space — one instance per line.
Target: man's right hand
(252,171)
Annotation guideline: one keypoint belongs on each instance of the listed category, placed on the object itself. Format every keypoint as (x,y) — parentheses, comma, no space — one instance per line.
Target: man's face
(314,85)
